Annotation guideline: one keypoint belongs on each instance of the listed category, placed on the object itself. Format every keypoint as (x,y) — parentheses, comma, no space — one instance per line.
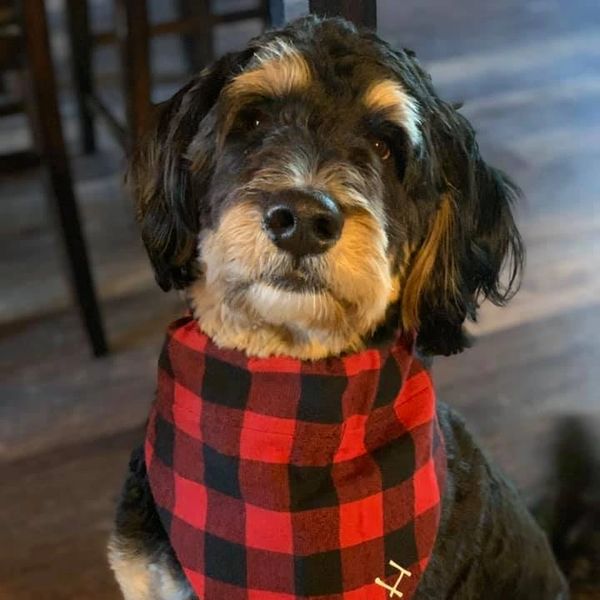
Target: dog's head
(314,187)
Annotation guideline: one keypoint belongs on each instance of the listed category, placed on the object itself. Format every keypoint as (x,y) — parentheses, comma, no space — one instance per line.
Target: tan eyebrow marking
(276,70)
(389,97)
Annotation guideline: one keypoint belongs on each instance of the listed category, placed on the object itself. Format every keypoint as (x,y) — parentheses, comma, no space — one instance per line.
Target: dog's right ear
(159,174)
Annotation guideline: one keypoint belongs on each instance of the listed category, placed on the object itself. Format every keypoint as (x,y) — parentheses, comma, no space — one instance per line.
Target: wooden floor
(529,74)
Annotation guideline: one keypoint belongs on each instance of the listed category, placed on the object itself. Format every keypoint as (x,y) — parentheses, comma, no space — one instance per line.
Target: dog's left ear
(472,249)
(168,197)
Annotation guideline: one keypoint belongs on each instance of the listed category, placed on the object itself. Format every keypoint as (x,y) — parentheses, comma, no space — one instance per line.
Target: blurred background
(77,361)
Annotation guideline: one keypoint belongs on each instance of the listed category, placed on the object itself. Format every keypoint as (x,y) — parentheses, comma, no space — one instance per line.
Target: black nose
(303,222)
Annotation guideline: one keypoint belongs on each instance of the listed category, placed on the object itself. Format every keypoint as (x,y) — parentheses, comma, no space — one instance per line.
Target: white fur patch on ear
(389,97)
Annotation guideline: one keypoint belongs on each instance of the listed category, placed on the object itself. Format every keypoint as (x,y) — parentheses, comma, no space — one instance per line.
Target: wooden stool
(132,34)
(24,40)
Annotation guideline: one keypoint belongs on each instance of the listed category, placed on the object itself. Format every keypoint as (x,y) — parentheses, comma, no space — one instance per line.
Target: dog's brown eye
(255,119)
(381,148)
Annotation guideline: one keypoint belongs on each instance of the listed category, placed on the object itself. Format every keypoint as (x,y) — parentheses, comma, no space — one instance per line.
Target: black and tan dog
(306,193)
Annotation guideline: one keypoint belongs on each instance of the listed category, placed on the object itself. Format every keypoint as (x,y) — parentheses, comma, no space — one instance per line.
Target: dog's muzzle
(303,222)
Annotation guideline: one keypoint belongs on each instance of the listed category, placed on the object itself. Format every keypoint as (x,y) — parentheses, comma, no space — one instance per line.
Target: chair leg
(275,11)
(81,43)
(50,138)
(361,12)
(133,33)
(198,48)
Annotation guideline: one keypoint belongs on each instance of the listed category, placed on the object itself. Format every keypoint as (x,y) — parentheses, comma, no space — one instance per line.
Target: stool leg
(50,138)
(198,47)
(133,33)
(275,13)
(361,12)
(81,43)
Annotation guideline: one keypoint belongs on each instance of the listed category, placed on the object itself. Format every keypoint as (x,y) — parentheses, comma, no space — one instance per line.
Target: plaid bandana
(279,479)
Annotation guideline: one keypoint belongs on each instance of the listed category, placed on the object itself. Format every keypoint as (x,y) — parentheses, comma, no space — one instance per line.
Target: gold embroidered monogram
(393,590)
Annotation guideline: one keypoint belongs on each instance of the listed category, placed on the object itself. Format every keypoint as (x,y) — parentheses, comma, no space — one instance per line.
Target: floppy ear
(471,250)
(160,179)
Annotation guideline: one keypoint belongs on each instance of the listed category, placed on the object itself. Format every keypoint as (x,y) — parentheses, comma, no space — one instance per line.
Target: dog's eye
(381,148)
(255,119)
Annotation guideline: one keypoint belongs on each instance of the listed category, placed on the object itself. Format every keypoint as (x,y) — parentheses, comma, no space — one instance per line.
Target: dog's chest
(272,476)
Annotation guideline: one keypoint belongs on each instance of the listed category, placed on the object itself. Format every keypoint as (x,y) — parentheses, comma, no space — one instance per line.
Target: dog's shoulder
(487,538)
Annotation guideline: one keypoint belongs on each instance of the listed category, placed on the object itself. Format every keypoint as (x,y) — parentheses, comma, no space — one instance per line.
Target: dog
(312,196)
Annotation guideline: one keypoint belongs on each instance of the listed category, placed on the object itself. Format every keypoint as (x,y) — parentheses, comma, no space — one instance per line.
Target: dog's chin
(294,303)
(297,281)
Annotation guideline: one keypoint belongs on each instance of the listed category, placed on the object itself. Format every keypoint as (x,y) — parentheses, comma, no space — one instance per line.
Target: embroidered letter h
(393,590)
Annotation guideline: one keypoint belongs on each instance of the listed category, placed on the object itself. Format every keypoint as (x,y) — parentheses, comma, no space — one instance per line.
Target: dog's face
(312,188)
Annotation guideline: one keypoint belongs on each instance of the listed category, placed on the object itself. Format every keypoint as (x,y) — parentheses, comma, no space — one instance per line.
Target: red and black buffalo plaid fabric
(279,479)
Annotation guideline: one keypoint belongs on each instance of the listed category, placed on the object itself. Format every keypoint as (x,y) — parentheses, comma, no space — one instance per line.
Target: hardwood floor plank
(56,518)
